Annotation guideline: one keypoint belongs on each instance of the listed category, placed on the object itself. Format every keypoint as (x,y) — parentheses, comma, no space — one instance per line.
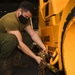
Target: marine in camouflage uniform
(16,32)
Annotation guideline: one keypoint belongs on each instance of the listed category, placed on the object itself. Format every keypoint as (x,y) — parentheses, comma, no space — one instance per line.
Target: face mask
(23,20)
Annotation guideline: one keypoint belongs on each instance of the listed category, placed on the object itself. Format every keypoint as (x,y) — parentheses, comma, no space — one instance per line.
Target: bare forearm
(37,40)
(26,50)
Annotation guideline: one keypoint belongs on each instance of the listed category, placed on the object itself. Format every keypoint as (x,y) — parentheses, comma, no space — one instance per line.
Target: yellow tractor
(57,31)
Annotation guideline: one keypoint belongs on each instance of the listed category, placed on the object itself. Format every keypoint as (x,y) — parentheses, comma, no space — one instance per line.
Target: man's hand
(45,51)
(38,59)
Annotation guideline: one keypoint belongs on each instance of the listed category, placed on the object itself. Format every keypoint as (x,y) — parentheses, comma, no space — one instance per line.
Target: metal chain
(41,68)
(42,65)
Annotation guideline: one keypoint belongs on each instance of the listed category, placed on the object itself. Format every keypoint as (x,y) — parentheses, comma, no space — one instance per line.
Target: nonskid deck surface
(31,70)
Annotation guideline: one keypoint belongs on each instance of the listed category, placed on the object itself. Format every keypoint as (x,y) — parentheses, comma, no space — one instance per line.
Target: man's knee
(12,39)
(8,39)
(8,45)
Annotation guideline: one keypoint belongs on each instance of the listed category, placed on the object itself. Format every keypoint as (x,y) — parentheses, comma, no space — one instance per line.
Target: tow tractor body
(57,31)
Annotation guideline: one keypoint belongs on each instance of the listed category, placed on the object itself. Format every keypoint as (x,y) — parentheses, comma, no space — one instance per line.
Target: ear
(20,12)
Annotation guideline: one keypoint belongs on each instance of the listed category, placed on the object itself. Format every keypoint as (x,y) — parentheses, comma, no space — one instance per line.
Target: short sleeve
(22,26)
(28,23)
